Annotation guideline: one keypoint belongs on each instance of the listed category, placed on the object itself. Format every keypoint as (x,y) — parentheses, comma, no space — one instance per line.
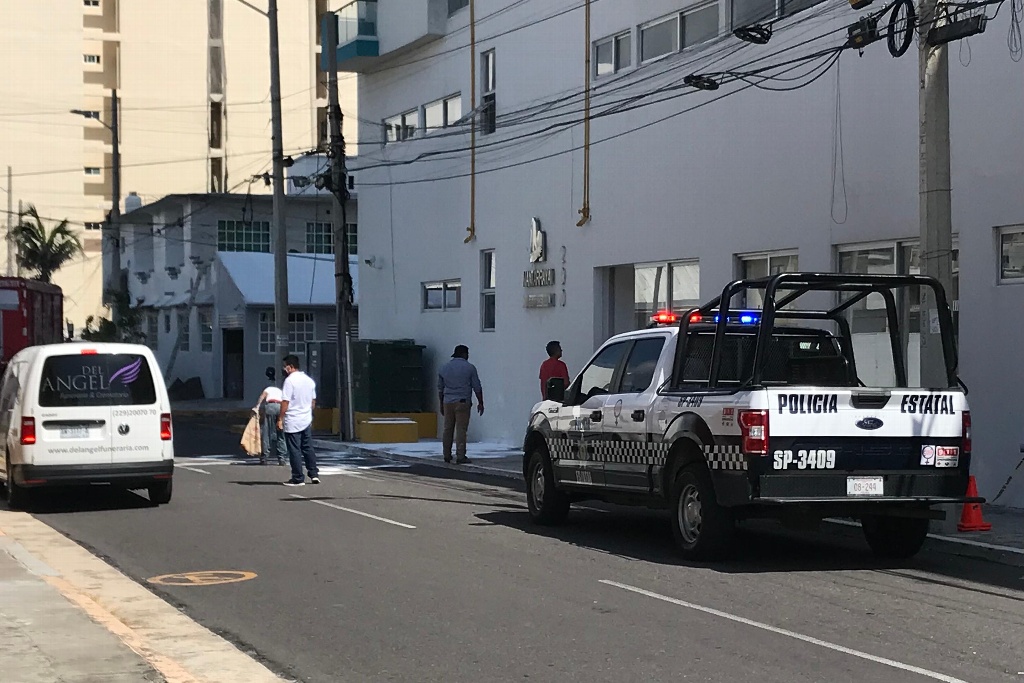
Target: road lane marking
(789,634)
(192,469)
(948,539)
(354,512)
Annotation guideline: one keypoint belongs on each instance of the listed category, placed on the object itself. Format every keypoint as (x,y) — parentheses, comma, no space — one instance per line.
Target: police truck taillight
(965,434)
(165,427)
(754,429)
(28,431)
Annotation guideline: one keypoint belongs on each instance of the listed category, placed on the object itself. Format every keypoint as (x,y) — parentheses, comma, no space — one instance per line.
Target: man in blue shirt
(457,381)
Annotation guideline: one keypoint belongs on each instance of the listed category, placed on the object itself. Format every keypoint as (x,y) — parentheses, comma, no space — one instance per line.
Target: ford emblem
(870,423)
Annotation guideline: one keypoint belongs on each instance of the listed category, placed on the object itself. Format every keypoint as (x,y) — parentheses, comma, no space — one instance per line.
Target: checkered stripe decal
(562,449)
(725,458)
(630,452)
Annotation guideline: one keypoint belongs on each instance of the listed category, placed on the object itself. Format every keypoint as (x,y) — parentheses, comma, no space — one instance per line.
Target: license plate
(74,432)
(864,486)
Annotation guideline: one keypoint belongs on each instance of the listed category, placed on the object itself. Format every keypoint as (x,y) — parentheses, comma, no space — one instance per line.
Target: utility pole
(114,285)
(281,340)
(342,277)
(936,248)
(10,227)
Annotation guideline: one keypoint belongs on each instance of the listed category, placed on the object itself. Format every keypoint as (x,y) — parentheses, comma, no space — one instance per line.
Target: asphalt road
(398,573)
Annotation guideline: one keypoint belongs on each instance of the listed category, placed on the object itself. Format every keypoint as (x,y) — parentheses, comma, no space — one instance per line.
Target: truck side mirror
(555,389)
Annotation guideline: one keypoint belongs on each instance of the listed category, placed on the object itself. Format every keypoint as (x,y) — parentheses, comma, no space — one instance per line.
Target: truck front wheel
(894,537)
(547,504)
(702,528)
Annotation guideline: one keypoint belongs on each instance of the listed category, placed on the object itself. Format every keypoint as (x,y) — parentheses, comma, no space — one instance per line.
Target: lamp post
(113,284)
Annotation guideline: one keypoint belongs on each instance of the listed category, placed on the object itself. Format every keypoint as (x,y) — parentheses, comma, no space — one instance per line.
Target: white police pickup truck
(779,412)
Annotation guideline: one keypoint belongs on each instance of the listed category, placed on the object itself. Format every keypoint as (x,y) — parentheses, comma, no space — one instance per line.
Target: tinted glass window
(597,378)
(96,380)
(642,363)
(791,359)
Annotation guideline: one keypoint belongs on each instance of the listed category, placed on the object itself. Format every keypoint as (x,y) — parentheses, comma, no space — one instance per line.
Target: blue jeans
(300,448)
(273,438)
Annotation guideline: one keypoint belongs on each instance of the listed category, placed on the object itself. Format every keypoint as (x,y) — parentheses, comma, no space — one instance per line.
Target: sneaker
(314,480)
(448,459)
(292,482)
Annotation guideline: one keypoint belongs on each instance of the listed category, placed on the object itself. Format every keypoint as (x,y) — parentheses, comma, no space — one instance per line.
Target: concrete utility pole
(936,249)
(115,210)
(281,345)
(342,277)
(10,226)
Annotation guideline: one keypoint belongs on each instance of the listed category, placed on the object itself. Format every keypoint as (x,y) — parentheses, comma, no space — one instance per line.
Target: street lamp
(113,285)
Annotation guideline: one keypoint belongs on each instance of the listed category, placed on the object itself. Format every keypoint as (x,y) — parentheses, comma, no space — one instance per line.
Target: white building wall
(752,172)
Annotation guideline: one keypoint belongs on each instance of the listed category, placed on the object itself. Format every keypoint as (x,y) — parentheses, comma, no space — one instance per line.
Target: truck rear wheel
(702,528)
(547,504)
(17,497)
(894,537)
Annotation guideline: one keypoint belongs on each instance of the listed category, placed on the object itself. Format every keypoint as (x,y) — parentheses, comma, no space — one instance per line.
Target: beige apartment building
(193,79)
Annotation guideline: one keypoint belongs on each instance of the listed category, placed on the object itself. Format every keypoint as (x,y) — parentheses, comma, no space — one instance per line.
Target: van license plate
(864,486)
(74,432)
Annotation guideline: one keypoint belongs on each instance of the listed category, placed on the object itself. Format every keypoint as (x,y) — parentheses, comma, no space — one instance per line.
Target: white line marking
(789,634)
(193,469)
(948,539)
(354,512)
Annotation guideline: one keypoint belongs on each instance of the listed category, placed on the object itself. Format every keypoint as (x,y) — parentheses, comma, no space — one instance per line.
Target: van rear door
(135,413)
(73,419)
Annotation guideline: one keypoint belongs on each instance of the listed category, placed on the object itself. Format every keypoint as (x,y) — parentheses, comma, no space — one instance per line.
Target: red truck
(31,313)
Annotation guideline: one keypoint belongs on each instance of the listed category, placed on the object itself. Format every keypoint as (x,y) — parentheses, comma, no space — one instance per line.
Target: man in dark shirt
(457,381)
(552,367)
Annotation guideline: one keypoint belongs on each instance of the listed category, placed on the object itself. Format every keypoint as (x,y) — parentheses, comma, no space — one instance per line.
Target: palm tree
(43,251)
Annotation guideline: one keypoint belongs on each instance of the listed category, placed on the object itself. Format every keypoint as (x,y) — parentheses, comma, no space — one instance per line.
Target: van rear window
(96,380)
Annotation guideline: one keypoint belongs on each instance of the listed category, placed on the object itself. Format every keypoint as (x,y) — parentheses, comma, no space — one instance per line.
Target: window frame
(683,46)
(781,12)
(575,395)
(488,289)
(153,330)
(446,118)
(676,17)
(238,230)
(91,59)
(614,41)
(444,286)
(205,319)
(184,320)
(313,229)
(459,5)
(92,171)
(1001,232)
(662,339)
(298,337)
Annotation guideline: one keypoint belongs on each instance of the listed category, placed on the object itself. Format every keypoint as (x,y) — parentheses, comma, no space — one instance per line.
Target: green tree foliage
(129,329)
(43,251)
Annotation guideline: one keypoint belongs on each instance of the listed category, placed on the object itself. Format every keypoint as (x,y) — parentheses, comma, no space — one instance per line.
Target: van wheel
(547,504)
(894,537)
(17,497)
(702,528)
(160,494)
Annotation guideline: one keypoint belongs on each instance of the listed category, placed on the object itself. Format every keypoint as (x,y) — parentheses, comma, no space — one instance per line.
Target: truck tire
(160,494)
(894,537)
(702,528)
(17,497)
(547,504)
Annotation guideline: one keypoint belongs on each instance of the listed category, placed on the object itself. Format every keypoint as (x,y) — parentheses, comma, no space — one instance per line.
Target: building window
(455,5)
(183,330)
(748,12)
(301,330)
(488,87)
(352,230)
(488,283)
(700,26)
(167,322)
(92,170)
(664,286)
(443,295)
(659,38)
(612,55)
(442,113)
(216,174)
(216,125)
(351,181)
(91,59)
(93,226)
(153,330)
(319,238)
(243,236)
(92,3)
(1011,254)
(206,330)
(755,266)
(401,127)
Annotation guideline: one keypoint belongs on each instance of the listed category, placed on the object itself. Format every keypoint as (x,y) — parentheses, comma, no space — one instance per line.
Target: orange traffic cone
(971,519)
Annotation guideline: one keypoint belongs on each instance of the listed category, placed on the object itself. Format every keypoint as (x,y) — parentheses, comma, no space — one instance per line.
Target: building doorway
(234,364)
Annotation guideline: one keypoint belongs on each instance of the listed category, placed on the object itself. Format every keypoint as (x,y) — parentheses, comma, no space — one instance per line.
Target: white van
(85,413)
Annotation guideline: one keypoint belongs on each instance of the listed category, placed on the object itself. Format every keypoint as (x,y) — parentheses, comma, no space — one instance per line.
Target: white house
(201,266)
(816,169)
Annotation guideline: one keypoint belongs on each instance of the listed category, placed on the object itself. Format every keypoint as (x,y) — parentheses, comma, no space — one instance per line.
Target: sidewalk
(1006,537)
(67,616)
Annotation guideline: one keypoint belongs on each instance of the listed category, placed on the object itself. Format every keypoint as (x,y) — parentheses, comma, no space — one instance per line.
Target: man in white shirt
(296,420)
(269,409)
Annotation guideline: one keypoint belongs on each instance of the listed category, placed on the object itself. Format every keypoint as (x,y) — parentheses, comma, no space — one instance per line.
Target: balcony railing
(357,35)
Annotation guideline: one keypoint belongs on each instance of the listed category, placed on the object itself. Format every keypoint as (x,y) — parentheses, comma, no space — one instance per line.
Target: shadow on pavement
(386,496)
(59,500)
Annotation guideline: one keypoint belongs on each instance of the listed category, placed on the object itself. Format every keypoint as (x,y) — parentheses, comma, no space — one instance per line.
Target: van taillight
(165,427)
(754,428)
(965,434)
(28,431)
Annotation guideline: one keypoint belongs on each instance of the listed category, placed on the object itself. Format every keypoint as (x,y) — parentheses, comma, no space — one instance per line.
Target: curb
(411,459)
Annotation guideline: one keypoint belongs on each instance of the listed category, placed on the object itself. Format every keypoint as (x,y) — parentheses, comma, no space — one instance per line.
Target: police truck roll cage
(786,288)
